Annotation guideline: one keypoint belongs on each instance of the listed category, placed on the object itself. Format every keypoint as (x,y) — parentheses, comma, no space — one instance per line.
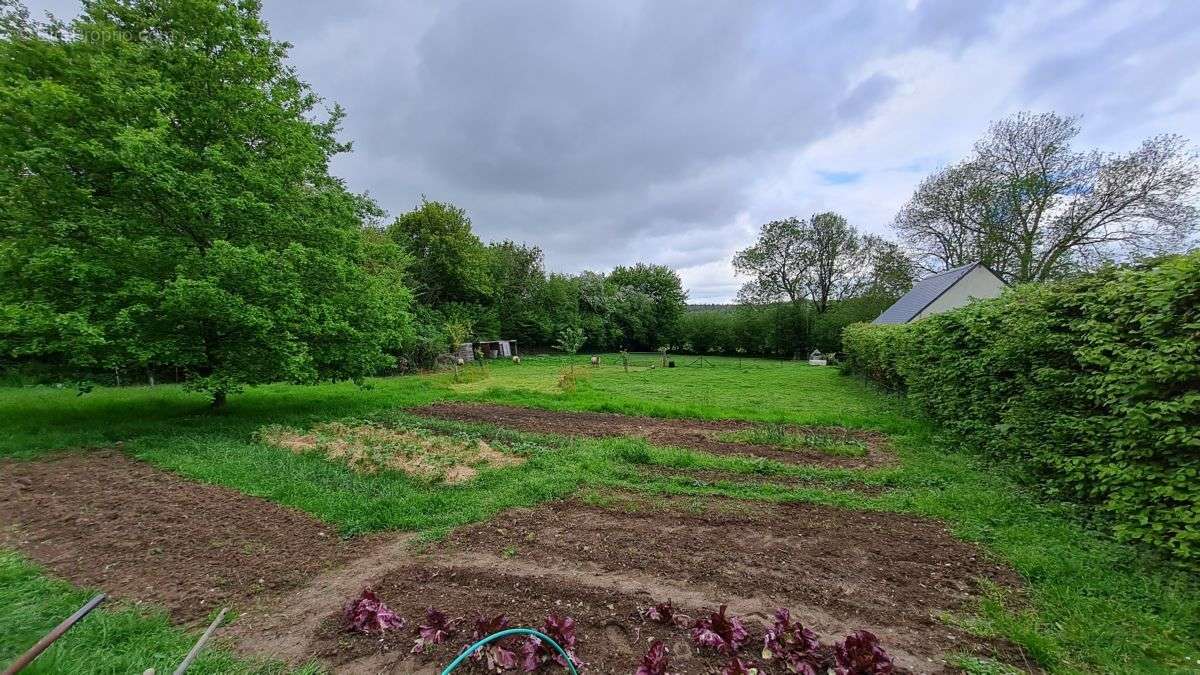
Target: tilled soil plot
(686,433)
(140,534)
(706,477)
(836,570)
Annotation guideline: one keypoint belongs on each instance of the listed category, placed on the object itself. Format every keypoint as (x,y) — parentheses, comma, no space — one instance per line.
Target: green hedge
(1091,385)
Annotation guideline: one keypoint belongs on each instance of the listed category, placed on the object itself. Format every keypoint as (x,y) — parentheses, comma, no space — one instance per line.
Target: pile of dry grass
(369,448)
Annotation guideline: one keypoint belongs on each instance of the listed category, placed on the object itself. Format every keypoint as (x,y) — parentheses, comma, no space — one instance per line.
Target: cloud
(666,131)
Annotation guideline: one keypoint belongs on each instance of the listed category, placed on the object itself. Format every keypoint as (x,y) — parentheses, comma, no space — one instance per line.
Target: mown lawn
(1092,605)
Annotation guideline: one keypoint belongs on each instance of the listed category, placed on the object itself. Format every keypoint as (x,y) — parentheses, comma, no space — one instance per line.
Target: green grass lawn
(1092,605)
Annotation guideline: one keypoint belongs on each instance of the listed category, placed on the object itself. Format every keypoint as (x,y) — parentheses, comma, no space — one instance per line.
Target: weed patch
(831,441)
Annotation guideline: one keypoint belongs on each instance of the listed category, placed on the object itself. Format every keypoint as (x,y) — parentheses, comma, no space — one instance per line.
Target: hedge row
(1091,385)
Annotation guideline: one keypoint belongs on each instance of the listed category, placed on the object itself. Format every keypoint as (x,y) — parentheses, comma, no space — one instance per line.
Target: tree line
(501,290)
(167,210)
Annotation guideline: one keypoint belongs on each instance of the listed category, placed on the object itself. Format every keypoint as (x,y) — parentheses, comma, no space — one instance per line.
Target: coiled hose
(505,633)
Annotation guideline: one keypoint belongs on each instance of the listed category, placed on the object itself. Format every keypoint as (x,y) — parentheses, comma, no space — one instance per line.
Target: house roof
(923,294)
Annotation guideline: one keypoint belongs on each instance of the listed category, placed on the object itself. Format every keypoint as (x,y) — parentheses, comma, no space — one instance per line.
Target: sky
(609,133)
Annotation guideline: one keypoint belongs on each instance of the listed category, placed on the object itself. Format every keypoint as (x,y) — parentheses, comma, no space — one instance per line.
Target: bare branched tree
(821,260)
(836,252)
(778,264)
(1031,208)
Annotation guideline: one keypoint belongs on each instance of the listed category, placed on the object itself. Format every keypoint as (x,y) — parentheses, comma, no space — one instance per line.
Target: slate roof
(923,294)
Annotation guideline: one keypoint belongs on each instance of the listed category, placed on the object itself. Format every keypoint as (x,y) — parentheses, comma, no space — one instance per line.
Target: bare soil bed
(148,536)
(836,570)
(700,435)
(704,477)
(144,535)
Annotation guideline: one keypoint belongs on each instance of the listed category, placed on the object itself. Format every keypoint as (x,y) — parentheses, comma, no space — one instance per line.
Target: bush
(1092,385)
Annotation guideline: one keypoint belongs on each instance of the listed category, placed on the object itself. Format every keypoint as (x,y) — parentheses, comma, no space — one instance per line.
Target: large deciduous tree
(165,200)
(651,301)
(450,263)
(1032,208)
(818,260)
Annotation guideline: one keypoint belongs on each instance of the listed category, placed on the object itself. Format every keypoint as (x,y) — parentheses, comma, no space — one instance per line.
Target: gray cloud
(666,130)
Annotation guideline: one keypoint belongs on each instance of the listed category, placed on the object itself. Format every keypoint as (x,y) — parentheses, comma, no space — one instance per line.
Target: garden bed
(836,570)
(712,477)
(713,436)
(140,534)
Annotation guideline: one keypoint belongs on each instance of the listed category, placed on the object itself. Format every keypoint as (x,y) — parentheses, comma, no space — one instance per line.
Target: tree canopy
(819,260)
(167,201)
(1032,208)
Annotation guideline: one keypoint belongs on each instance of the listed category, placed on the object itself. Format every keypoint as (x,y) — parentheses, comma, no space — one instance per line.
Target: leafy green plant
(457,332)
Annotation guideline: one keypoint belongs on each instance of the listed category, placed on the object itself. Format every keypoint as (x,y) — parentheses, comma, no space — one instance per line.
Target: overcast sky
(614,132)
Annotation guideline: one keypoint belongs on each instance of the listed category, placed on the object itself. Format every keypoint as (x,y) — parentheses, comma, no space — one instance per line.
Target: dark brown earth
(148,536)
(705,477)
(144,535)
(686,433)
(836,570)
(611,635)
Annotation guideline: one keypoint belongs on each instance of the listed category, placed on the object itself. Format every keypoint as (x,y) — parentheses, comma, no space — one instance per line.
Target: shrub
(1092,385)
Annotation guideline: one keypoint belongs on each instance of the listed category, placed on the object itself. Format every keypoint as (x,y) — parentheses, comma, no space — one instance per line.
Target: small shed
(491,349)
(943,292)
(497,349)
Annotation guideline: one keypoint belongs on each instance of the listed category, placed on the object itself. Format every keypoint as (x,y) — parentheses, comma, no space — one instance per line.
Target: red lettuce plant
(367,614)
(725,634)
(435,630)
(497,658)
(664,612)
(656,660)
(534,652)
(860,654)
(737,666)
(792,643)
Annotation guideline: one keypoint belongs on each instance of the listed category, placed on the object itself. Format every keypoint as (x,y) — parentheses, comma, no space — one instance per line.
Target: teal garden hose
(505,633)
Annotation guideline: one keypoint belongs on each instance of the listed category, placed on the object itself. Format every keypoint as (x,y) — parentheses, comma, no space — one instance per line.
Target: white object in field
(461,361)
(595,360)
(516,359)
(817,358)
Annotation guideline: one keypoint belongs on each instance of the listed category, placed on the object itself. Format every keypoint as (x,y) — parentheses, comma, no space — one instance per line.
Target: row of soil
(709,477)
(105,521)
(149,537)
(702,435)
(836,570)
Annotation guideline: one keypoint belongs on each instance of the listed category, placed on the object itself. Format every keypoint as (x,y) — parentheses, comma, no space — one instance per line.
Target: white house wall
(979,283)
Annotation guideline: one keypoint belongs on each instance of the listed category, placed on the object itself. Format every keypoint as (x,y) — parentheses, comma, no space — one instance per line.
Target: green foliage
(167,203)
(569,340)
(1092,384)
(518,280)
(1090,604)
(648,304)
(783,330)
(504,292)
(450,263)
(112,639)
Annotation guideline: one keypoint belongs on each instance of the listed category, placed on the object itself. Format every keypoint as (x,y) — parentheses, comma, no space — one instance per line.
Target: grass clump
(112,639)
(830,442)
(1091,604)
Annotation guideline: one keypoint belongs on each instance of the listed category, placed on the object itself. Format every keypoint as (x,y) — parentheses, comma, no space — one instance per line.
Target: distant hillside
(713,307)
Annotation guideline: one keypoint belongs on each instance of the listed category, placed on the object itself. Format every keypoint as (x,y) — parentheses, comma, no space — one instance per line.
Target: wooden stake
(34,651)
(187,661)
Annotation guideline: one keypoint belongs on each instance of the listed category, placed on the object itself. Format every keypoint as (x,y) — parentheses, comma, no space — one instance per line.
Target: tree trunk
(218,400)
